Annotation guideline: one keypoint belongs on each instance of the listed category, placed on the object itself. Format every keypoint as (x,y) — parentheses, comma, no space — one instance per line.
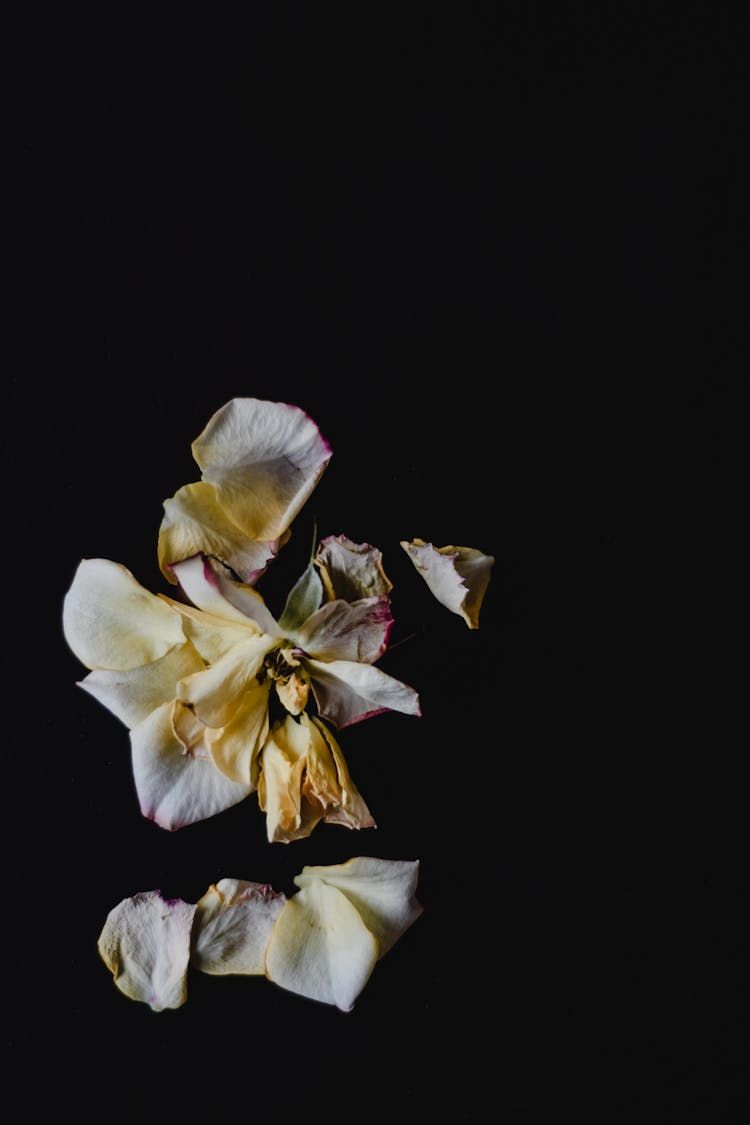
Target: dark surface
(488,251)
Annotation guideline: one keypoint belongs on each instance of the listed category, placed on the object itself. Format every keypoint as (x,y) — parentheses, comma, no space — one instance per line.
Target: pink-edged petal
(145,944)
(134,694)
(382,890)
(457,576)
(235,746)
(196,522)
(343,631)
(351,570)
(321,948)
(233,923)
(176,788)
(110,621)
(215,692)
(347,692)
(212,590)
(264,459)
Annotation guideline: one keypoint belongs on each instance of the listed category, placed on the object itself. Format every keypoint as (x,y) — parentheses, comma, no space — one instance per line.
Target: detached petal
(347,631)
(321,948)
(457,576)
(215,692)
(351,570)
(382,890)
(347,692)
(176,788)
(264,460)
(195,522)
(111,621)
(134,694)
(209,588)
(145,944)
(233,923)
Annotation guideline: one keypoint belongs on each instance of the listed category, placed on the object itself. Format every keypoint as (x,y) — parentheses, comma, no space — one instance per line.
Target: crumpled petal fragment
(321,948)
(457,576)
(347,692)
(133,694)
(145,944)
(110,621)
(176,788)
(351,570)
(342,630)
(233,923)
(382,890)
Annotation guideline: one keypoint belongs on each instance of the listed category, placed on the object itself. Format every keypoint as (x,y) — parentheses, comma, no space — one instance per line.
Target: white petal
(195,522)
(111,621)
(134,694)
(215,692)
(382,890)
(343,631)
(347,692)
(457,576)
(264,459)
(232,926)
(351,570)
(210,588)
(175,788)
(321,948)
(145,944)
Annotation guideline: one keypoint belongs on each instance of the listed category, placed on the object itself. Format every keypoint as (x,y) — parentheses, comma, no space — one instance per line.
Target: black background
(487,248)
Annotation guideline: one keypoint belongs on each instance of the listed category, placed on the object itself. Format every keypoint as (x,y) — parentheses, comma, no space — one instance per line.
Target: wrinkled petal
(235,746)
(132,695)
(210,588)
(195,522)
(110,621)
(145,944)
(214,693)
(321,948)
(280,793)
(348,809)
(382,890)
(233,923)
(343,631)
(264,459)
(347,692)
(351,570)
(457,576)
(176,788)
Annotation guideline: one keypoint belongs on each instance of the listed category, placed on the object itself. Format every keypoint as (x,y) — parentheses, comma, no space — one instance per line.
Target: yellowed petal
(135,693)
(232,925)
(321,948)
(145,944)
(293,692)
(235,746)
(288,816)
(212,636)
(343,802)
(215,692)
(457,576)
(351,570)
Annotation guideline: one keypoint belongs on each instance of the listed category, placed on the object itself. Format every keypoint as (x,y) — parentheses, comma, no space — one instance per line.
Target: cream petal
(347,692)
(145,944)
(212,636)
(288,815)
(233,923)
(351,570)
(195,522)
(110,621)
(215,692)
(457,576)
(264,459)
(321,948)
(348,809)
(243,598)
(235,746)
(174,788)
(197,579)
(343,631)
(134,694)
(382,890)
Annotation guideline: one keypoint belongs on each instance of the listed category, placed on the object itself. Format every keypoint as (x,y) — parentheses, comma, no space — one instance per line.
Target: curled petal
(457,576)
(264,460)
(347,806)
(351,570)
(213,692)
(175,787)
(321,948)
(344,631)
(236,745)
(145,944)
(212,636)
(135,693)
(195,522)
(347,692)
(233,923)
(210,588)
(382,890)
(110,621)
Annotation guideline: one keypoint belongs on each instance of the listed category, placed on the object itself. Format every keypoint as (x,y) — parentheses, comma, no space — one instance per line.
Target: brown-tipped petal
(351,570)
(145,944)
(235,746)
(382,890)
(343,631)
(321,948)
(457,576)
(233,923)
(134,694)
(347,692)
